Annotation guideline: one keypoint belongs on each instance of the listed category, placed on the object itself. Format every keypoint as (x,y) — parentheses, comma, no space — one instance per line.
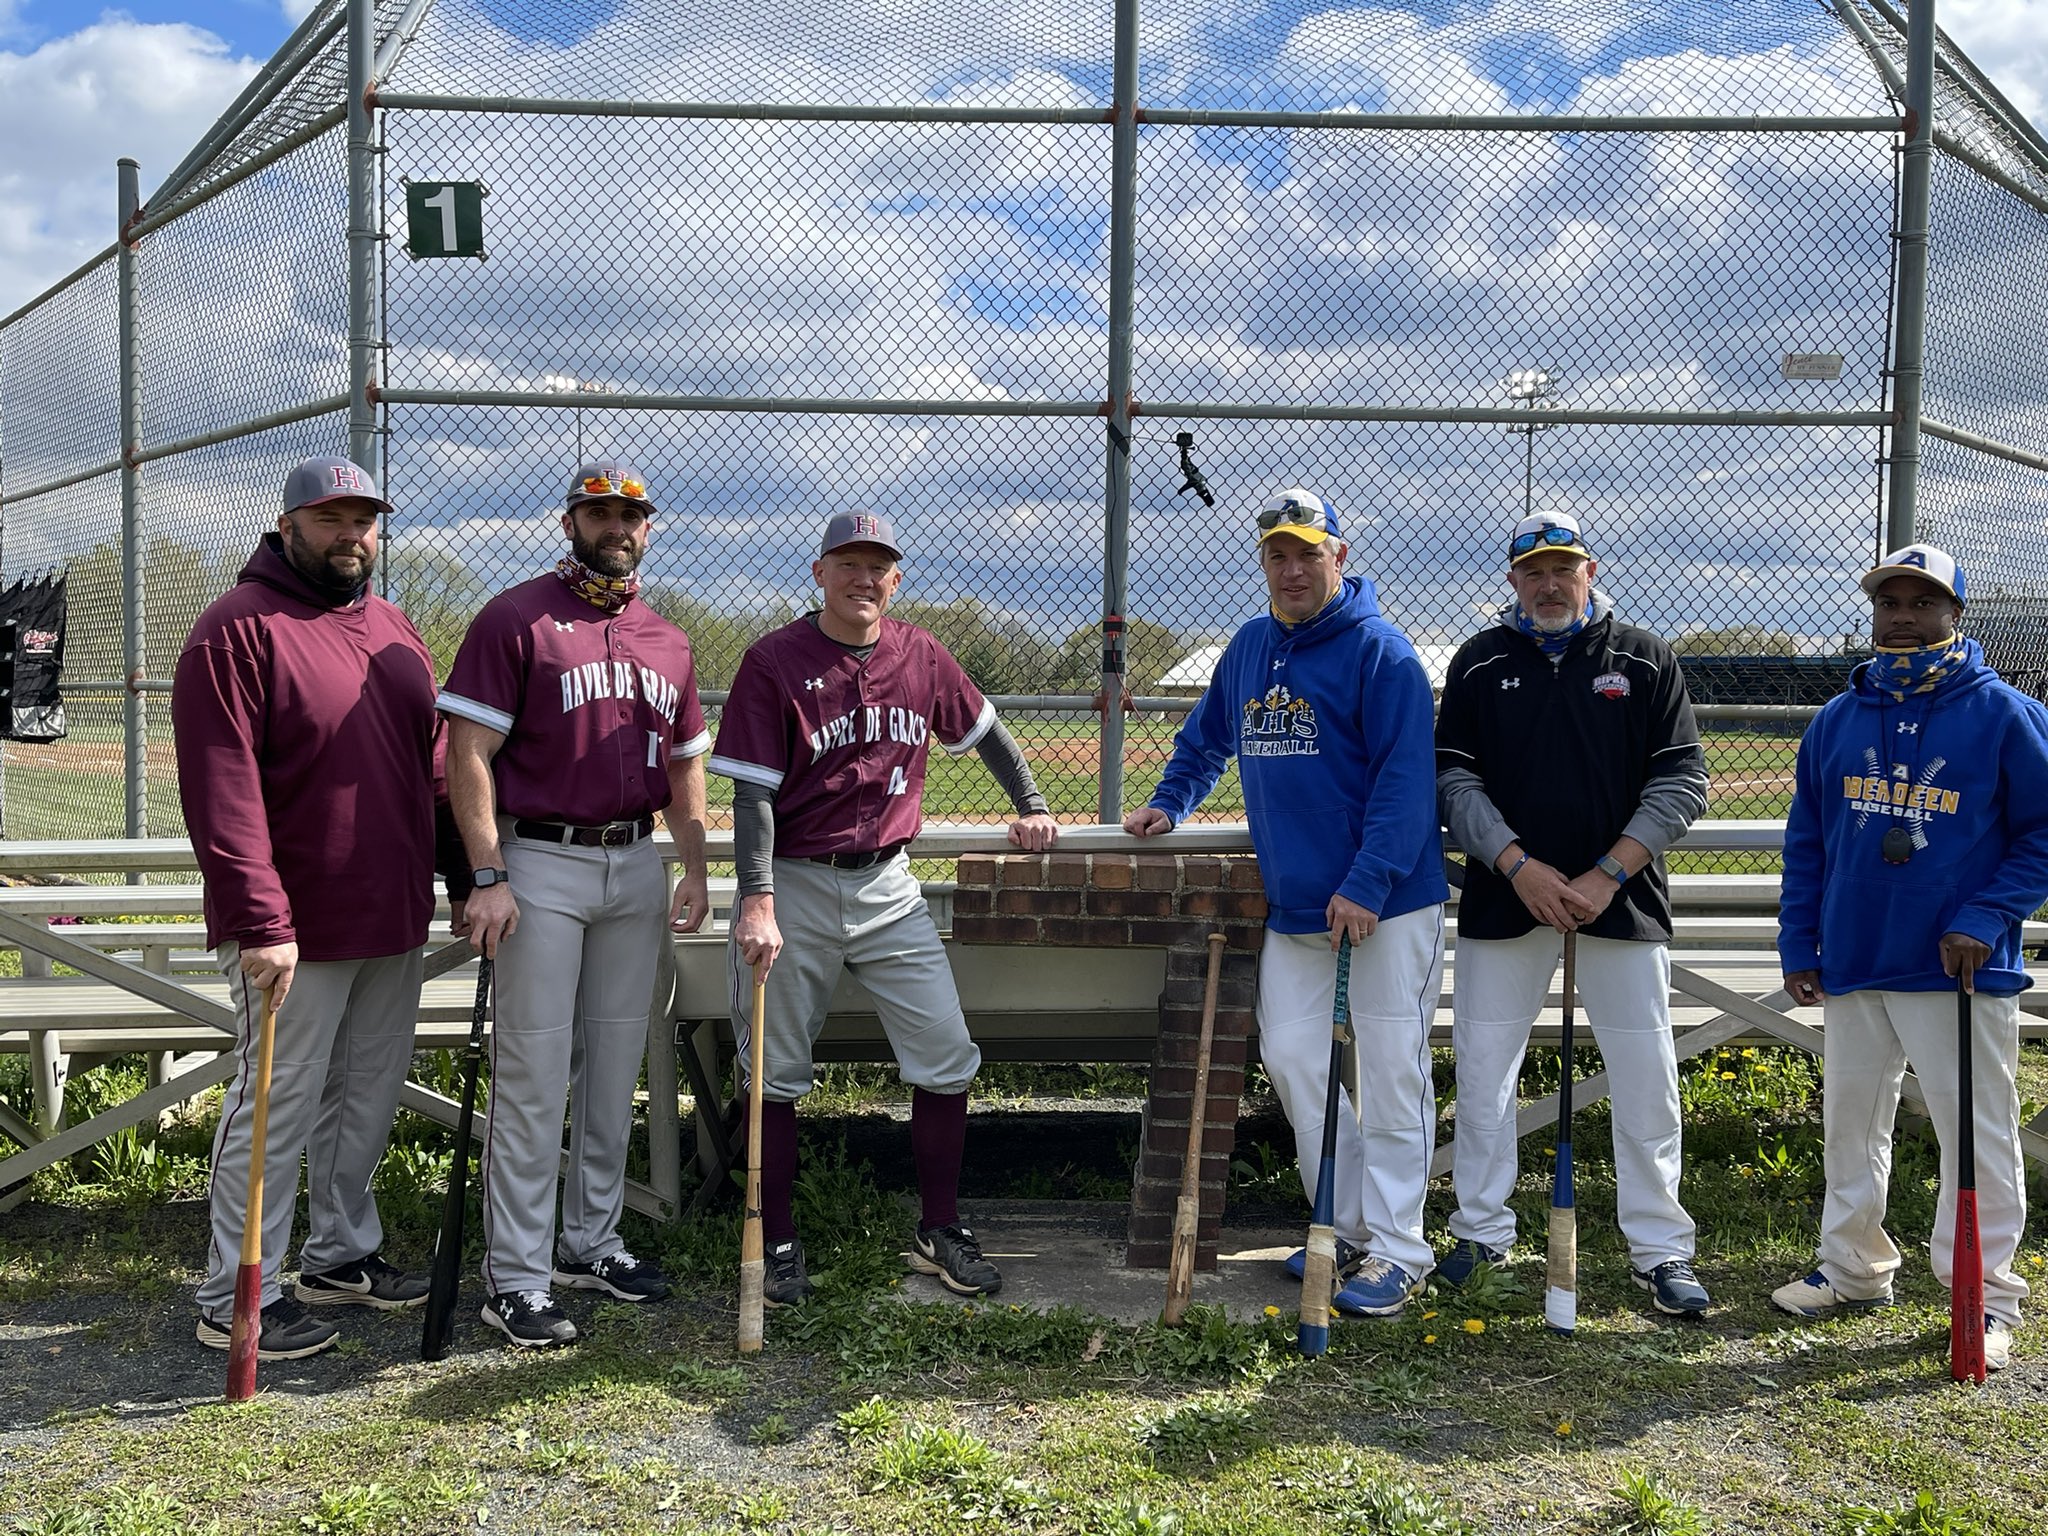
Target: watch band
(483,877)
(1610,866)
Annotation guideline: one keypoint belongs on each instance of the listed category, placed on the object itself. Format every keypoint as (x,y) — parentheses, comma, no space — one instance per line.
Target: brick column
(1173,901)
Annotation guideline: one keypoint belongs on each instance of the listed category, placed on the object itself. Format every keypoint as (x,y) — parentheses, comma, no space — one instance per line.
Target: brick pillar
(1174,901)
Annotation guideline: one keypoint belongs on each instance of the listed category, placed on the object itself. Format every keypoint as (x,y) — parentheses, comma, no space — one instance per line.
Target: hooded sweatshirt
(1963,770)
(309,764)
(1330,722)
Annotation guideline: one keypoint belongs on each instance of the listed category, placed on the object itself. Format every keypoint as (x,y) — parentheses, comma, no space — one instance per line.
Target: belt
(857,860)
(613,834)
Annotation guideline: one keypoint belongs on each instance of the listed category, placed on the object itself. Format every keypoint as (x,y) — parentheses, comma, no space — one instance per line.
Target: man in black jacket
(1567,761)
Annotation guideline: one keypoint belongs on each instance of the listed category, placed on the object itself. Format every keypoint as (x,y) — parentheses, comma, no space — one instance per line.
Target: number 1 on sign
(443,203)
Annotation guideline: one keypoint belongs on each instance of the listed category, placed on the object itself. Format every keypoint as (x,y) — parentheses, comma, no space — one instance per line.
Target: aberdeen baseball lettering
(1888,797)
(593,680)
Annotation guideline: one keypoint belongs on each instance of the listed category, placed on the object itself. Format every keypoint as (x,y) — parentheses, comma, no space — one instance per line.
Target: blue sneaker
(1379,1289)
(1674,1289)
(1466,1258)
(1348,1259)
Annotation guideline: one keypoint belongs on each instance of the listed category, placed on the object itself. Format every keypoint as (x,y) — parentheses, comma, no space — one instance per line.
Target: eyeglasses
(1523,543)
(603,485)
(1292,514)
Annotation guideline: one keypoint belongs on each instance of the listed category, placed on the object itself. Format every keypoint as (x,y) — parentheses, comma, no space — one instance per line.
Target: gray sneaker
(288,1333)
(369,1282)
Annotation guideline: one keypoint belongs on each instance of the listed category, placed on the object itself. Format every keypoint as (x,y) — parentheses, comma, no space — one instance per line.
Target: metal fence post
(1909,345)
(135,718)
(1116,522)
(363,222)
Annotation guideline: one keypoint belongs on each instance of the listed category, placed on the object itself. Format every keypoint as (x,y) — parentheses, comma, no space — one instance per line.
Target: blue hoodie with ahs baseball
(1331,722)
(1963,770)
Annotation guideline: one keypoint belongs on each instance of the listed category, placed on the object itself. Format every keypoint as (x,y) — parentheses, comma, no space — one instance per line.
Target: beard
(1556,623)
(617,560)
(339,576)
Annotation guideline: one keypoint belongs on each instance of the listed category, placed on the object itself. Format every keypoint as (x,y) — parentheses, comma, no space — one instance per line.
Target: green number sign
(444,218)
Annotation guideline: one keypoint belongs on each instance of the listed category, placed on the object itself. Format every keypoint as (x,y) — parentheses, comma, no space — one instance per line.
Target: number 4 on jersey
(897,786)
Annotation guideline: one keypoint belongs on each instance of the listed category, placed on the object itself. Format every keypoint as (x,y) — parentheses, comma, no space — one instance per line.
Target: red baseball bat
(1966,1279)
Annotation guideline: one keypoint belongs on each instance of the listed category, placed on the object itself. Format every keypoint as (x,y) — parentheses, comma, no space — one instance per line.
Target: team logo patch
(346,477)
(1611,685)
(866,526)
(39,642)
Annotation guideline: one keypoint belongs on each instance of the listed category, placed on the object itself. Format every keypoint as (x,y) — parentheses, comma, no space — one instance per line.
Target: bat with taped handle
(1966,1278)
(1319,1268)
(753,1250)
(1561,1293)
(437,1329)
(1187,1214)
(247,1329)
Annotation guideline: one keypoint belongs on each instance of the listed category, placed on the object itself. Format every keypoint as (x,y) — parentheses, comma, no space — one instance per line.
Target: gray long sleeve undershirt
(1671,802)
(753,808)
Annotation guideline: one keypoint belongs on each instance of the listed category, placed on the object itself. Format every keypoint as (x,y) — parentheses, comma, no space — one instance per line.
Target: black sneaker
(787,1284)
(954,1256)
(1674,1289)
(369,1282)
(619,1275)
(529,1319)
(287,1332)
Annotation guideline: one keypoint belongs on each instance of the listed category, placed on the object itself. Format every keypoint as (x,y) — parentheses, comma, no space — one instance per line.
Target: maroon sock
(938,1135)
(778,1168)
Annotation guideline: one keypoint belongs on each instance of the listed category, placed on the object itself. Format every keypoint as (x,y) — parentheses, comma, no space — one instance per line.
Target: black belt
(613,834)
(857,860)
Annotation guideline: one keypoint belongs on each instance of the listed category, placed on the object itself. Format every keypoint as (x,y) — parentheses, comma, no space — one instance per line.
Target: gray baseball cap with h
(319,480)
(859,528)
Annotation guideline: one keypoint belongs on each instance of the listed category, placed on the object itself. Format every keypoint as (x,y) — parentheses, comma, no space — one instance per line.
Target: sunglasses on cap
(1292,514)
(604,485)
(1523,543)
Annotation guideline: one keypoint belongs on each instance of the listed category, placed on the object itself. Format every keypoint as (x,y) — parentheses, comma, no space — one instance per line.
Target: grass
(871,1413)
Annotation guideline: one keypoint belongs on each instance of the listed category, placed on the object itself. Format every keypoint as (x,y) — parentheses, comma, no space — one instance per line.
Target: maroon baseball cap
(859,528)
(319,480)
(608,477)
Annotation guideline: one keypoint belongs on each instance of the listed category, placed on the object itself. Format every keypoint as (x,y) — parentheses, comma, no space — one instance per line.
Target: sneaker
(369,1282)
(1997,1343)
(954,1256)
(529,1319)
(1380,1288)
(619,1275)
(787,1284)
(1814,1295)
(1348,1260)
(1466,1258)
(1674,1289)
(287,1332)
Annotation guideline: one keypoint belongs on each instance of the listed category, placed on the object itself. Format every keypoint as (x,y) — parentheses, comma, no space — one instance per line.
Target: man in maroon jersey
(825,738)
(573,719)
(308,765)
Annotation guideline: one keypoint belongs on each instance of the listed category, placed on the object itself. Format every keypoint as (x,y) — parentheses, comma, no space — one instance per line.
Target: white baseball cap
(1922,560)
(1544,532)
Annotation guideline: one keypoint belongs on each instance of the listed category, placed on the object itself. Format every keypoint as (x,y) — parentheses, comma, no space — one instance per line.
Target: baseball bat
(437,1332)
(753,1251)
(1319,1269)
(1561,1299)
(1966,1280)
(246,1332)
(1187,1213)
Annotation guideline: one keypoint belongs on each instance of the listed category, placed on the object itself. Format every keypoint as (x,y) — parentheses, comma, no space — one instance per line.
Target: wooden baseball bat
(1966,1278)
(1319,1268)
(753,1251)
(437,1332)
(1561,1299)
(1187,1213)
(246,1332)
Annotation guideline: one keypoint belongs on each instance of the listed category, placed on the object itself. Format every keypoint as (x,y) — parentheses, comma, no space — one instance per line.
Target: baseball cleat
(1814,1295)
(287,1332)
(953,1254)
(1674,1289)
(619,1275)
(369,1282)
(529,1319)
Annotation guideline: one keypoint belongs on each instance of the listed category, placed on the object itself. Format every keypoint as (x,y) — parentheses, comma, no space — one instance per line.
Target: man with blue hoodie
(1916,846)
(1327,710)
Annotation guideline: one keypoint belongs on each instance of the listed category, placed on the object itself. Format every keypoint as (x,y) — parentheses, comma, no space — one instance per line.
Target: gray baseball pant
(575,984)
(342,1045)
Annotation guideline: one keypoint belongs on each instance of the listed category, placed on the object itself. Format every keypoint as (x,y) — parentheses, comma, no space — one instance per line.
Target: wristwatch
(1608,864)
(483,877)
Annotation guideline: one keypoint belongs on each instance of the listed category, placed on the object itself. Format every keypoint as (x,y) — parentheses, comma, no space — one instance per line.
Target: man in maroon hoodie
(309,763)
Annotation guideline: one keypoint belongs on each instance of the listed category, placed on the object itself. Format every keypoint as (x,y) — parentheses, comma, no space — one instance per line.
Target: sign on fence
(444,218)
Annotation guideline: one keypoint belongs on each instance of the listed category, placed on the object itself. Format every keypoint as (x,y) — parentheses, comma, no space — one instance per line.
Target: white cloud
(2008,41)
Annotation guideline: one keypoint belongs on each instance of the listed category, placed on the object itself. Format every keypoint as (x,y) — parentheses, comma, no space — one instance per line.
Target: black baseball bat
(1319,1265)
(437,1332)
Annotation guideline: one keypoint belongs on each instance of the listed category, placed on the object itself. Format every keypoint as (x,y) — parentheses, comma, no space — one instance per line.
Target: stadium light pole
(1529,385)
(569,384)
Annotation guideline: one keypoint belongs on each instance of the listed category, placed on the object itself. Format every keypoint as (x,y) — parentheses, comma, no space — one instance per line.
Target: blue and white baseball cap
(1300,512)
(859,528)
(319,480)
(1546,533)
(1923,560)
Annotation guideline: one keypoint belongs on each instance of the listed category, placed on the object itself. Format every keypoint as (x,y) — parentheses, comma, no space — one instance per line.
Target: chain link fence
(837,256)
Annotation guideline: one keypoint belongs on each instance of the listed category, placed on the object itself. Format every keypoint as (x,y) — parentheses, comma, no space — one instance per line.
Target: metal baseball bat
(1319,1269)
(1561,1298)
(1966,1279)
(437,1331)
(246,1332)
(1187,1213)
(753,1251)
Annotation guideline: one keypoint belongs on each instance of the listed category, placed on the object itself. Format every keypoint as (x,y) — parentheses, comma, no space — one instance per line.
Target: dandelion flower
(1564,1429)
(1763,1066)
(1428,1315)
(1749,1053)
(1272,1311)
(1475,1325)
(1429,1338)
(1727,1077)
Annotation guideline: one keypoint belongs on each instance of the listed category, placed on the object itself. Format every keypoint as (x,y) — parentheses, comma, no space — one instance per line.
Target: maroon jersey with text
(841,742)
(591,705)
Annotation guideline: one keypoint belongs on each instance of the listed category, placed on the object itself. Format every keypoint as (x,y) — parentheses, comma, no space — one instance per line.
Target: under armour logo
(567,626)
(1511,682)
(1909,727)
(1277,663)
(812,684)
